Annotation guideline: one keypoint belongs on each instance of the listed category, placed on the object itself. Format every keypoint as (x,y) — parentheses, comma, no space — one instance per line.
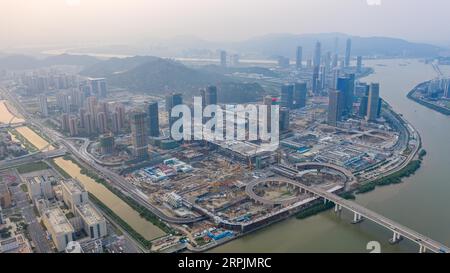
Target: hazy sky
(24,22)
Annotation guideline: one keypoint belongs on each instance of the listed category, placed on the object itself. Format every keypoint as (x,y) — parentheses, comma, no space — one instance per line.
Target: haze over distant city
(78,22)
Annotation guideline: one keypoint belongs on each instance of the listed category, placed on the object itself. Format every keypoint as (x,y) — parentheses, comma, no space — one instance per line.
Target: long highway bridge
(360,213)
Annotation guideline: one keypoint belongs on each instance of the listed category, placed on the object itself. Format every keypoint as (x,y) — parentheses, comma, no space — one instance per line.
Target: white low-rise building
(73,193)
(39,187)
(59,227)
(94,224)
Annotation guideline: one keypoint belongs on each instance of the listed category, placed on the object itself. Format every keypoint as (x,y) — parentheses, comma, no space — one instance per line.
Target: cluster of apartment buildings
(79,221)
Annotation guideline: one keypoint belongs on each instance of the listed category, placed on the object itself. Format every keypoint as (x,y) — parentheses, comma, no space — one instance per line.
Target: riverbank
(123,210)
(145,213)
(427,104)
(410,164)
(394,178)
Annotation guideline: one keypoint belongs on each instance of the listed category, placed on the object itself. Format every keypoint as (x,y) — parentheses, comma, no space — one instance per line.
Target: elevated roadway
(360,213)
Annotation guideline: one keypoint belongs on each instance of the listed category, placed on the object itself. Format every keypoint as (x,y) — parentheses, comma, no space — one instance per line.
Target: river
(419,202)
(123,210)
(6,116)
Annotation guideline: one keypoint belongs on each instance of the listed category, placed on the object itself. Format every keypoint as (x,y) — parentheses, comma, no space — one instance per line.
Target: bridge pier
(422,249)
(337,208)
(357,218)
(396,238)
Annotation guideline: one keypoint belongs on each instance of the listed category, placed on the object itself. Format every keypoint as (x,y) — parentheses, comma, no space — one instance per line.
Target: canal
(122,209)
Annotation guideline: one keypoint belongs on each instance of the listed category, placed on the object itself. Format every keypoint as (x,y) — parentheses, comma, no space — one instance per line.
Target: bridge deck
(405,232)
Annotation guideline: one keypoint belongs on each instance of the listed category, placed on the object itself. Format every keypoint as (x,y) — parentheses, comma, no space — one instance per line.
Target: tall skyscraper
(363,106)
(85,89)
(347,86)
(348,52)
(336,45)
(98,87)
(317,54)
(101,122)
(380,104)
(65,122)
(334,111)
(43,105)
(211,95)
(92,105)
(323,77)
(327,61)
(374,95)
(73,128)
(138,122)
(269,101)
(336,73)
(364,100)
(153,118)
(223,58)
(172,101)
(300,93)
(335,61)
(89,124)
(62,100)
(103,107)
(315,81)
(82,113)
(76,97)
(287,96)
(299,57)
(106,144)
(120,109)
(284,119)
(359,64)
(115,122)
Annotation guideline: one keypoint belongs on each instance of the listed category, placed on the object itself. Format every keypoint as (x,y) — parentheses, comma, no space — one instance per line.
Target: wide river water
(420,202)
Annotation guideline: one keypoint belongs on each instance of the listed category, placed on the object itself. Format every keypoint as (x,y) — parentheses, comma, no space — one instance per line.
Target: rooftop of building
(3,188)
(73,186)
(58,221)
(89,214)
(36,180)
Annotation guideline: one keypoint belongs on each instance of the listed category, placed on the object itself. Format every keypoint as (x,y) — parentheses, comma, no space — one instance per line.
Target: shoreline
(405,164)
(429,105)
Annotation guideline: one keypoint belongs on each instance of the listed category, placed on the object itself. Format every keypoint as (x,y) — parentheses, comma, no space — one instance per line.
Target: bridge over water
(360,213)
